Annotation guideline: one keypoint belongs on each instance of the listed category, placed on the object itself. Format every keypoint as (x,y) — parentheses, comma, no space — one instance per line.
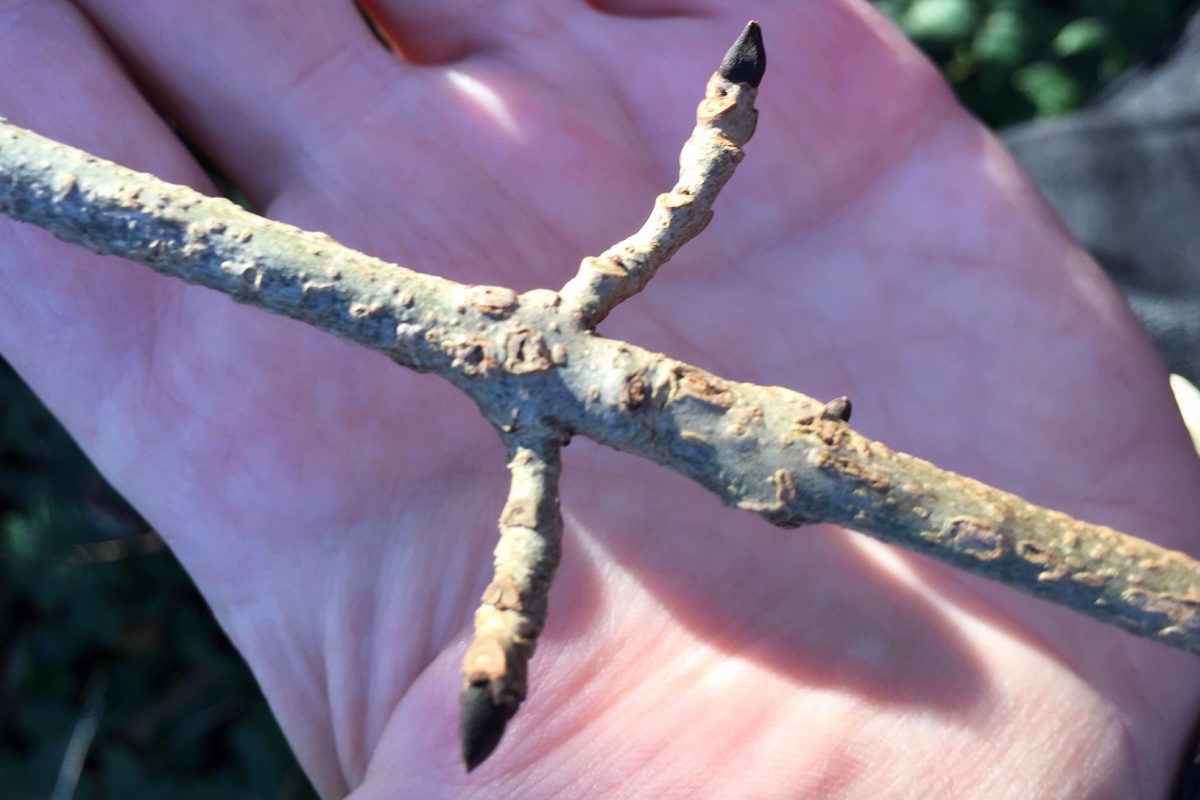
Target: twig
(725,121)
(513,612)
(535,368)
(213,242)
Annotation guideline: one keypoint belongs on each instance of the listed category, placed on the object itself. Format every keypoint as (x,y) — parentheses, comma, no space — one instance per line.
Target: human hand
(338,512)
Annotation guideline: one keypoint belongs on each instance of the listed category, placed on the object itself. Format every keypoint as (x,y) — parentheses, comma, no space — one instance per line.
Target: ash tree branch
(513,611)
(537,371)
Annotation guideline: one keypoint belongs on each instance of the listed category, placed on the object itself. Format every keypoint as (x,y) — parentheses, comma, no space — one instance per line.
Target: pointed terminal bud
(481,723)
(746,61)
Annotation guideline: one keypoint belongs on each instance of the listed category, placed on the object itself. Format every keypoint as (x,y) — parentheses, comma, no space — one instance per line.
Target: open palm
(338,512)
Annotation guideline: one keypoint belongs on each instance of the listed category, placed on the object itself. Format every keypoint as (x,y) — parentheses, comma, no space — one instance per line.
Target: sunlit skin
(338,512)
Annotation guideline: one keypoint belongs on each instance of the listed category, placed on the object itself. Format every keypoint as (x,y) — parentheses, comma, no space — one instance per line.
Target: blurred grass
(99,624)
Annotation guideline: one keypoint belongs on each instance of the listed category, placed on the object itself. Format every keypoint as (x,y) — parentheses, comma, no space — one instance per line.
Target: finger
(57,300)
(654,8)
(256,85)
(438,32)
(61,79)
(432,32)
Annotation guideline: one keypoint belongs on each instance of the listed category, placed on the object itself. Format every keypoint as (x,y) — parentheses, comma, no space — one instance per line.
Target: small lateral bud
(746,61)
(838,408)
(481,723)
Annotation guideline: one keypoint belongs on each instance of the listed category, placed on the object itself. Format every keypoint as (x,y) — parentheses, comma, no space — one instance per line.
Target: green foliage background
(96,615)
(1010,60)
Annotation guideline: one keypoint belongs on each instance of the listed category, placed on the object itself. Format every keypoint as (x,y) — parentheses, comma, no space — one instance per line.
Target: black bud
(746,61)
(481,722)
(837,408)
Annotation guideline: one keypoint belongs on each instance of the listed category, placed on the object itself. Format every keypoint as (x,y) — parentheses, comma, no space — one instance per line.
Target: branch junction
(537,370)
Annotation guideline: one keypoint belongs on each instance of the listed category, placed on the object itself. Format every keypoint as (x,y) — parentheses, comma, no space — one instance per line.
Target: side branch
(513,610)
(725,121)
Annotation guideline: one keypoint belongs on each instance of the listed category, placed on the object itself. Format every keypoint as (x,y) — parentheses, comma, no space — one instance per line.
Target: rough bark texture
(529,361)
(725,121)
(540,374)
(513,609)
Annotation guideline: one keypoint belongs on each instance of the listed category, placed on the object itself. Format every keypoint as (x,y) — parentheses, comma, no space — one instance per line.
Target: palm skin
(338,513)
